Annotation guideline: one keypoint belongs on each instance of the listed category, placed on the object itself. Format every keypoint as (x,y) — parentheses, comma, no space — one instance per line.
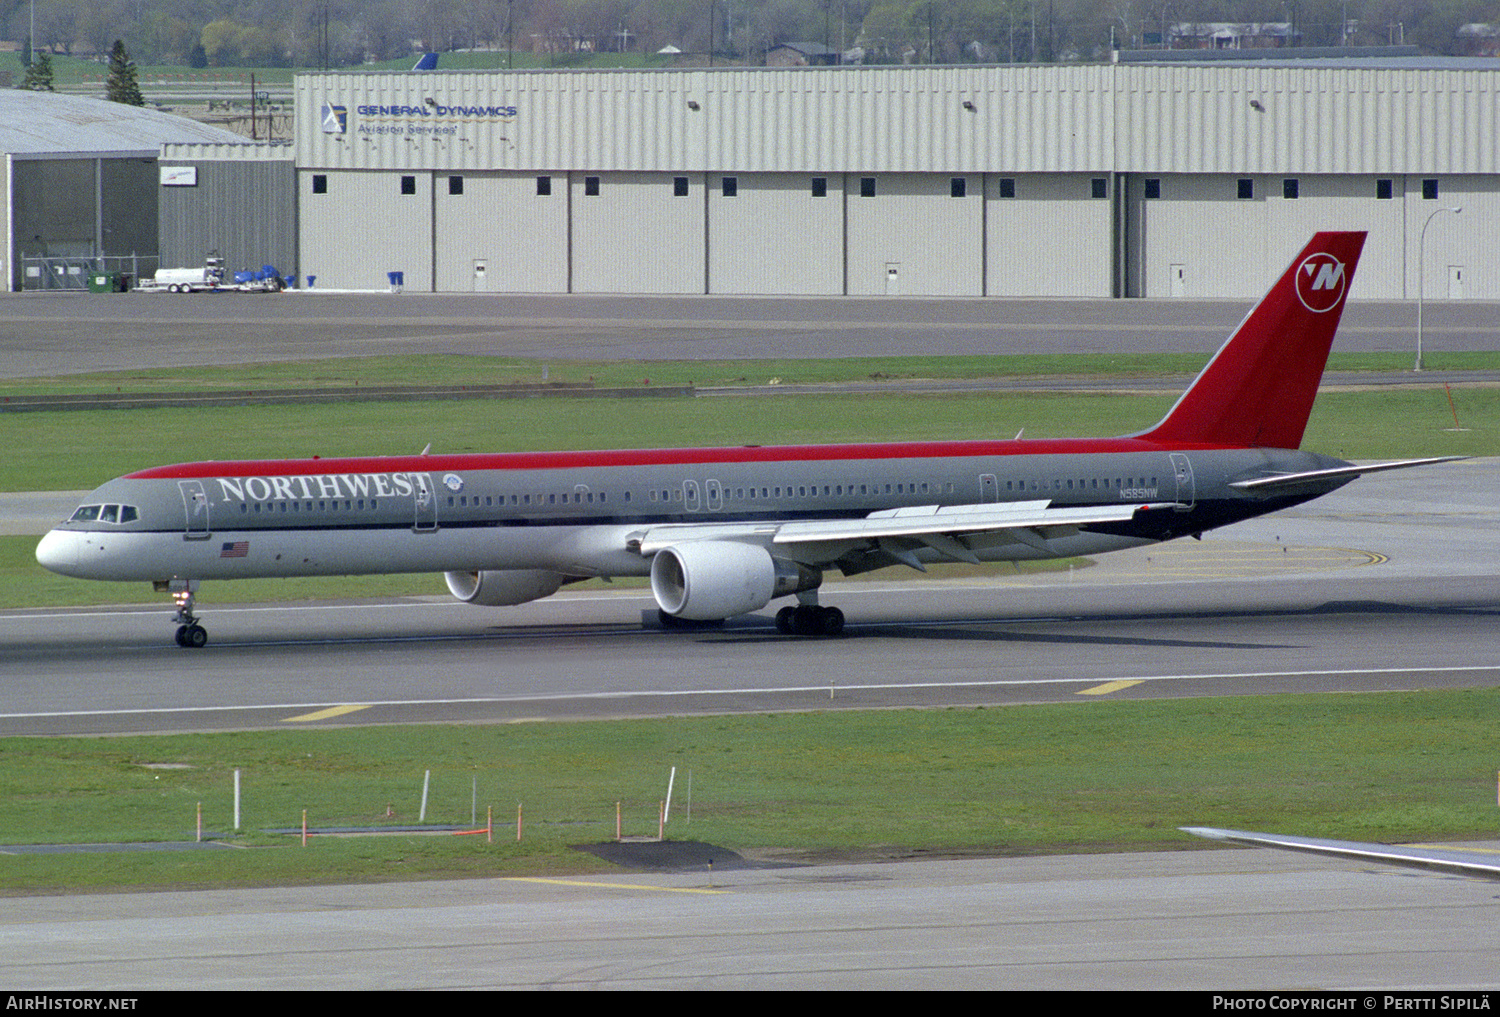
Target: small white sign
(179,176)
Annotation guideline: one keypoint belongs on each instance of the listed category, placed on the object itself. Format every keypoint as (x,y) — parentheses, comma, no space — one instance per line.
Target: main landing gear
(190,634)
(809,620)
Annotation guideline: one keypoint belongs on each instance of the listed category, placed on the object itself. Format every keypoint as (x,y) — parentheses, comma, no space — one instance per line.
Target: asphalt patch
(672,856)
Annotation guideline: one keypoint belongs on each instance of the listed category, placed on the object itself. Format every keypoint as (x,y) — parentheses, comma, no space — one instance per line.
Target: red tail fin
(1259,388)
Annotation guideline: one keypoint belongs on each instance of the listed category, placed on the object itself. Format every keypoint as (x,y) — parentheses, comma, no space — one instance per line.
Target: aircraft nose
(58,552)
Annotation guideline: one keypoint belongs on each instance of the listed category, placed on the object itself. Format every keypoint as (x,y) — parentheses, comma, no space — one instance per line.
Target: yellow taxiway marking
(1108,687)
(332,711)
(610,886)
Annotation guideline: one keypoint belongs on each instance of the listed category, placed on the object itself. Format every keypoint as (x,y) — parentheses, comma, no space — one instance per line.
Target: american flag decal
(238,549)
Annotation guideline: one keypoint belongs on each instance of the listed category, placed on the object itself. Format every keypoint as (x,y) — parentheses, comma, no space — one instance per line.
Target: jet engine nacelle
(712,579)
(500,588)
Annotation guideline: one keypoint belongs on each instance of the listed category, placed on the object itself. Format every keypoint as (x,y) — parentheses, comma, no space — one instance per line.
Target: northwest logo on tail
(1320,282)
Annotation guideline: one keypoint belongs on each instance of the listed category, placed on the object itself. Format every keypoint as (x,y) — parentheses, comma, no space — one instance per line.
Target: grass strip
(456,370)
(1100,776)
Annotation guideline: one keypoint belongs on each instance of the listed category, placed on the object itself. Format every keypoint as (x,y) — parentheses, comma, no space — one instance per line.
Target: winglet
(1258,390)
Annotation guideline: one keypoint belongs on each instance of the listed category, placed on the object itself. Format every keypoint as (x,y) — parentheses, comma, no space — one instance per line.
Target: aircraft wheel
(182,635)
(195,637)
(784,620)
(809,620)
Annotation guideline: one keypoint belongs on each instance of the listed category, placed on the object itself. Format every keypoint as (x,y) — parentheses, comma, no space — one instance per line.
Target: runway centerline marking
(332,711)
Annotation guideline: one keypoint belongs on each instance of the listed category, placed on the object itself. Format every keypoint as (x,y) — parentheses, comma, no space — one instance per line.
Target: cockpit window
(105,514)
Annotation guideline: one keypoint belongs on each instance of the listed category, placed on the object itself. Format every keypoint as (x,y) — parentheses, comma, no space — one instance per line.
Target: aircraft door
(690,495)
(714,495)
(424,503)
(1182,470)
(195,504)
(989,488)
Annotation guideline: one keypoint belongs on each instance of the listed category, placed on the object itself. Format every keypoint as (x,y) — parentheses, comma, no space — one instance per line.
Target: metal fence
(43,273)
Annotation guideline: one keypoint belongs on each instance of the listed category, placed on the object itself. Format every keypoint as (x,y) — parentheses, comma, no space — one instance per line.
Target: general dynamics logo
(335,119)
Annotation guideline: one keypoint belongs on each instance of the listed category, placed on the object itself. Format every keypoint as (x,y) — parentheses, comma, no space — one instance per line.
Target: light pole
(1422,273)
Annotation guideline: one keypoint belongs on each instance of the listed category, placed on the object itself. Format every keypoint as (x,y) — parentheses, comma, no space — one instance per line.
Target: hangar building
(1118,180)
(80,184)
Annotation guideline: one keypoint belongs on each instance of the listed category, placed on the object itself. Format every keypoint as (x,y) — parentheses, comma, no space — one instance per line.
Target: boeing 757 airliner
(725,531)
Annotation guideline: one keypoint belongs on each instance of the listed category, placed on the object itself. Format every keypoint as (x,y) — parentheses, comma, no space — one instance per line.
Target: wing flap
(956,520)
(941,528)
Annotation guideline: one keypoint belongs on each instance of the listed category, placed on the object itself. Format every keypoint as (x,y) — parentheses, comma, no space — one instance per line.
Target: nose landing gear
(190,634)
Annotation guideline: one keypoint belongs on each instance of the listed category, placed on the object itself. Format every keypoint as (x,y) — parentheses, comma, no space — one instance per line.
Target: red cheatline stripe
(661,457)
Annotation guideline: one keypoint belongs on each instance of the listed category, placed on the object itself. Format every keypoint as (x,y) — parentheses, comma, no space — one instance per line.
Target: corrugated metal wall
(1049,235)
(497,232)
(1052,131)
(361,226)
(1043,119)
(775,234)
(245,210)
(638,234)
(911,237)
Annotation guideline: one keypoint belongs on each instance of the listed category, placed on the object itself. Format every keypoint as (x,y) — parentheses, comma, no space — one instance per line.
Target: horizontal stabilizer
(1482,863)
(1282,483)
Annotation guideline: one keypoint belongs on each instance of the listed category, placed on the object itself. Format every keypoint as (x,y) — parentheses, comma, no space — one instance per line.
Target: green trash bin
(106,282)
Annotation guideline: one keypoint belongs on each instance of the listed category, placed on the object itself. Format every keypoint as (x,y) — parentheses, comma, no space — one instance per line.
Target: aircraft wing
(1282,483)
(1482,863)
(899,530)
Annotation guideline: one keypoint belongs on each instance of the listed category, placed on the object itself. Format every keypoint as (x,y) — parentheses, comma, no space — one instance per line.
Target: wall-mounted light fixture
(693,105)
(969,106)
(1255,105)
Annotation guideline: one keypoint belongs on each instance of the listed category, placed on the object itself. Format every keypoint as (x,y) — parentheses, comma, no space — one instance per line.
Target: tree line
(343,33)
